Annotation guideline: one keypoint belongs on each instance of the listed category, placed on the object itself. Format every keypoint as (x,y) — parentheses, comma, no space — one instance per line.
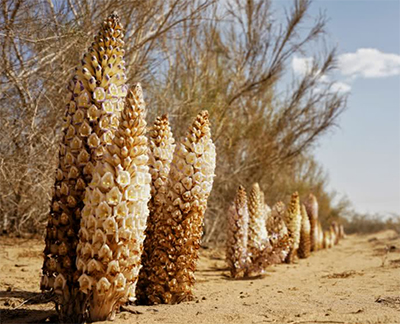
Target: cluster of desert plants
(259,236)
(109,180)
(232,57)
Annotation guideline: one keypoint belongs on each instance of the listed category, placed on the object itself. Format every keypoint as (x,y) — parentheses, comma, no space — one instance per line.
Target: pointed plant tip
(204,114)
(114,16)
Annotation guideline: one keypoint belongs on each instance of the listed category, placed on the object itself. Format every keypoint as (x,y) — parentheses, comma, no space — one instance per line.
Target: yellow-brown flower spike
(320,236)
(305,244)
(342,233)
(160,157)
(278,232)
(258,236)
(236,249)
(178,229)
(334,237)
(115,214)
(293,223)
(336,231)
(327,243)
(278,246)
(96,97)
(311,205)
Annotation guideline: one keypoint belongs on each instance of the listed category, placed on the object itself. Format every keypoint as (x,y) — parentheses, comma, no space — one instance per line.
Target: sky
(362,156)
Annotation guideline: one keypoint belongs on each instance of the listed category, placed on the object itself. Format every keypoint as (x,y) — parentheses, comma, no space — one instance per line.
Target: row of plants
(259,236)
(127,211)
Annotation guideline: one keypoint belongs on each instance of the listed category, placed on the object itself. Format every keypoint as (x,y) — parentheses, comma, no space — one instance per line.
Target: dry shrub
(229,57)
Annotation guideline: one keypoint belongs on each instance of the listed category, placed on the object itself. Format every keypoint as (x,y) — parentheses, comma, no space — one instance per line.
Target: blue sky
(362,157)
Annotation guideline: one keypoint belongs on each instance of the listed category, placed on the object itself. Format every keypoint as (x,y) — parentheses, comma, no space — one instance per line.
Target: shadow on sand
(15,309)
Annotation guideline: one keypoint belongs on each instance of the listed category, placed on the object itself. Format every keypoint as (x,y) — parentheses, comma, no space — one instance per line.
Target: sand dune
(357,281)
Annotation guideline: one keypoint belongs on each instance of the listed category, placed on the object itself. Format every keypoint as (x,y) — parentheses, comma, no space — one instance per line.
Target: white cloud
(302,65)
(369,63)
(340,87)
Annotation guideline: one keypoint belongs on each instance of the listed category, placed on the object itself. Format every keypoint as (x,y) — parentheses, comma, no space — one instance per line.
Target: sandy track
(346,284)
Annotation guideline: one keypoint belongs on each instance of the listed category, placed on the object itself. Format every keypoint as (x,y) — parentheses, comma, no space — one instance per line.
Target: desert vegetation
(228,57)
(124,207)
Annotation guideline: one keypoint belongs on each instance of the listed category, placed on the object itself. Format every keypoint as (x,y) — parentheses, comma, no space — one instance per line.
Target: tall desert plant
(258,236)
(236,249)
(277,230)
(161,153)
(305,244)
(277,247)
(311,205)
(179,225)
(114,217)
(293,223)
(96,97)
(320,236)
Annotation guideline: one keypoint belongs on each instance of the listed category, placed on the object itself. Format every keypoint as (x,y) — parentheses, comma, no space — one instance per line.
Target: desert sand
(357,281)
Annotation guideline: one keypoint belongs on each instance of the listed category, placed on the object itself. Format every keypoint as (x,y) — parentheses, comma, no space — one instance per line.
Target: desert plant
(161,153)
(276,226)
(327,241)
(293,223)
(279,242)
(305,244)
(179,226)
(236,249)
(336,230)
(334,237)
(258,236)
(97,93)
(320,243)
(115,214)
(277,230)
(311,205)
(342,233)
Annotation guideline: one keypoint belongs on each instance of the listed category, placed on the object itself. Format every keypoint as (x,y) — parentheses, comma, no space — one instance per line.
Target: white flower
(131,193)
(80,265)
(60,282)
(121,209)
(103,286)
(120,282)
(191,158)
(94,265)
(107,181)
(91,222)
(93,140)
(84,234)
(131,293)
(105,252)
(85,283)
(87,250)
(113,91)
(97,197)
(114,196)
(113,267)
(198,177)
(84,99)
(99,94)
(188,170)
(110,225)
(120,105)
(123,178)
(99,236)
(103,210)
(93,112)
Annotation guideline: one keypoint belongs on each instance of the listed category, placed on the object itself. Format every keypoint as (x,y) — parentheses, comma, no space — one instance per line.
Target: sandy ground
(358,281)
